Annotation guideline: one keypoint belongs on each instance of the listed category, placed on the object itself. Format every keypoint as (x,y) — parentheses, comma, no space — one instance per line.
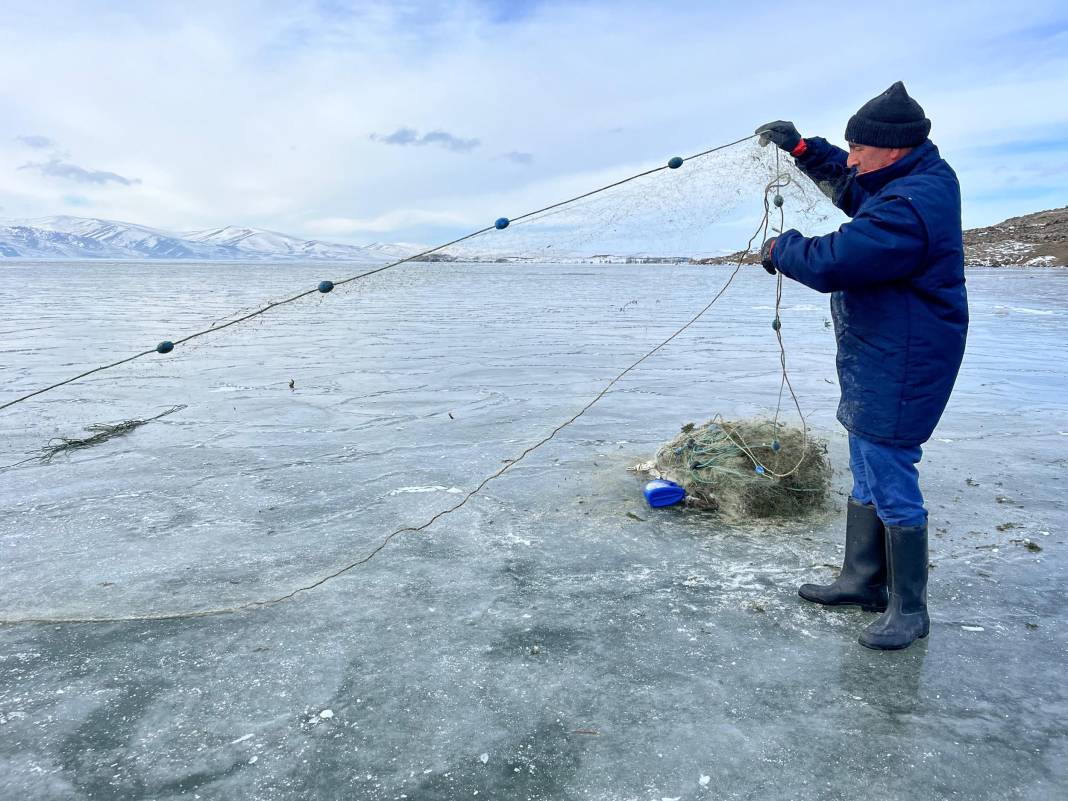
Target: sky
(418,121)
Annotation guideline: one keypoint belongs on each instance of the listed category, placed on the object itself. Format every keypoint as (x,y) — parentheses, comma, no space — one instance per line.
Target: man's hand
(782,133)
(765,256)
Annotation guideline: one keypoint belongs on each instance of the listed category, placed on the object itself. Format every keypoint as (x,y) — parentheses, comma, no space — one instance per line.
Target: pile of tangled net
(756,468)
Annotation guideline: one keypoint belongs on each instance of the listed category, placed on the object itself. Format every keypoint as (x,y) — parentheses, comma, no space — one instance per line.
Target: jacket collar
(874,181)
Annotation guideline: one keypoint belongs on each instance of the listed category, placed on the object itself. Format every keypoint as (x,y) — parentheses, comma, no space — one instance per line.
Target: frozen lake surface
(541,642)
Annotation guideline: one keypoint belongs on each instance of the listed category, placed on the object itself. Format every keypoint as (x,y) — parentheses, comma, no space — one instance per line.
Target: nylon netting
(170,520)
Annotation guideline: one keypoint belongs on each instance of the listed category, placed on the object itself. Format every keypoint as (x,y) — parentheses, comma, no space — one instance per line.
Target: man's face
(868,159)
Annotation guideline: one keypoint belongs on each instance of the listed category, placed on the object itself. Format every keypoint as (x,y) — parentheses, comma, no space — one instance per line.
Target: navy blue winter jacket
(896,277)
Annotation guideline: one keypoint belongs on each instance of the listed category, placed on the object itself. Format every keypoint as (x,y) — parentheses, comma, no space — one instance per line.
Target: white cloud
(518,157)
(57,168)
(35,141)
(410,136)
(261,114)
(390,221)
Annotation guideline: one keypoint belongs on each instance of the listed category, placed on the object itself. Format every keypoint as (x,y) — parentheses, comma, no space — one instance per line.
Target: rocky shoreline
(1033,240)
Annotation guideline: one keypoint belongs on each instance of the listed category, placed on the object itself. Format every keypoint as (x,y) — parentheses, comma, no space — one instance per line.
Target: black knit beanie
(893,119)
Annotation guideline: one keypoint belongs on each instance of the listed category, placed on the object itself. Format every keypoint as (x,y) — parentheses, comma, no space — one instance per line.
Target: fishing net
(695,212)
(746,469)
(293,403)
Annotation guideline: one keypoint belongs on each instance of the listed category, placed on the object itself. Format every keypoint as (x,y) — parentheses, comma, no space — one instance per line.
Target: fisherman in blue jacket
(895,273)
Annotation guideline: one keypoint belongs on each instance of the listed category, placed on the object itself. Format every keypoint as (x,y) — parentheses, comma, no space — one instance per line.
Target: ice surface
(592,655)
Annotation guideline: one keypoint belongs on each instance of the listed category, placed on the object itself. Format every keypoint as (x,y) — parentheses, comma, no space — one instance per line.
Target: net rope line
(761,228)
(275,304)
(250,605)
(780,181)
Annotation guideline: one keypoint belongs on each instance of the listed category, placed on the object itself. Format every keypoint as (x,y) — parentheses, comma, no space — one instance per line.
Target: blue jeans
(886,476)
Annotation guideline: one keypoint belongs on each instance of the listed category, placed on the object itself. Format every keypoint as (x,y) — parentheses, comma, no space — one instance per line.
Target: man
(896,277)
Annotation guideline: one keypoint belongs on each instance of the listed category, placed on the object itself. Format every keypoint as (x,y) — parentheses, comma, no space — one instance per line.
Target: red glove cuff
(798,151)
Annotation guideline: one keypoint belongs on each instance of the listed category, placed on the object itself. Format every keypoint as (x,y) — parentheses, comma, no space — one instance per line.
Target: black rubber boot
(905,619)
(862,581)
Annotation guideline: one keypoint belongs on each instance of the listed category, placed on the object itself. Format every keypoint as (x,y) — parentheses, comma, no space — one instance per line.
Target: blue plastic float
(662,492)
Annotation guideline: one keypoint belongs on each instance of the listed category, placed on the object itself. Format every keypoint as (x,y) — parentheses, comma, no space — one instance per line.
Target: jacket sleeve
(825,164)
(887,242)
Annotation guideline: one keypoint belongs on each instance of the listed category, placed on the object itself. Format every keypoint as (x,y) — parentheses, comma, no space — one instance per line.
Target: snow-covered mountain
(395,250)
(81,238)
(73,238)
(269,244)
(90,238)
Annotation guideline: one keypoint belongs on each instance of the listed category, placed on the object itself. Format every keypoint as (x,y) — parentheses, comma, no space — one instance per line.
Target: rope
(251,605)
(762,228)
(780,181)
(391,265)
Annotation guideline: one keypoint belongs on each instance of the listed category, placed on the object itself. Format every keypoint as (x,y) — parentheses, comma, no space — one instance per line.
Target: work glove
(765,255)
(782,133)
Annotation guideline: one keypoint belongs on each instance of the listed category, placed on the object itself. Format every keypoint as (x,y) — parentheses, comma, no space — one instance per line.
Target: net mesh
(747,469)
(292,409)
(701,210)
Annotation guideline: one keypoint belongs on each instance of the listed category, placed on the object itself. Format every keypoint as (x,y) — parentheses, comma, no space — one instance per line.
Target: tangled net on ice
(755,468)
(101,432)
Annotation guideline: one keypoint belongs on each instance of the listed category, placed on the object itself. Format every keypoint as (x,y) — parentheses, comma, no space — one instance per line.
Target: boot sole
(864,607)
(890,647)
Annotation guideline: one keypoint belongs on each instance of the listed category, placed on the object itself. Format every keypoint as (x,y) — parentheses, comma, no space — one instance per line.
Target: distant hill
(1034,240)
(90,238)
(257,243)
(83,238)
